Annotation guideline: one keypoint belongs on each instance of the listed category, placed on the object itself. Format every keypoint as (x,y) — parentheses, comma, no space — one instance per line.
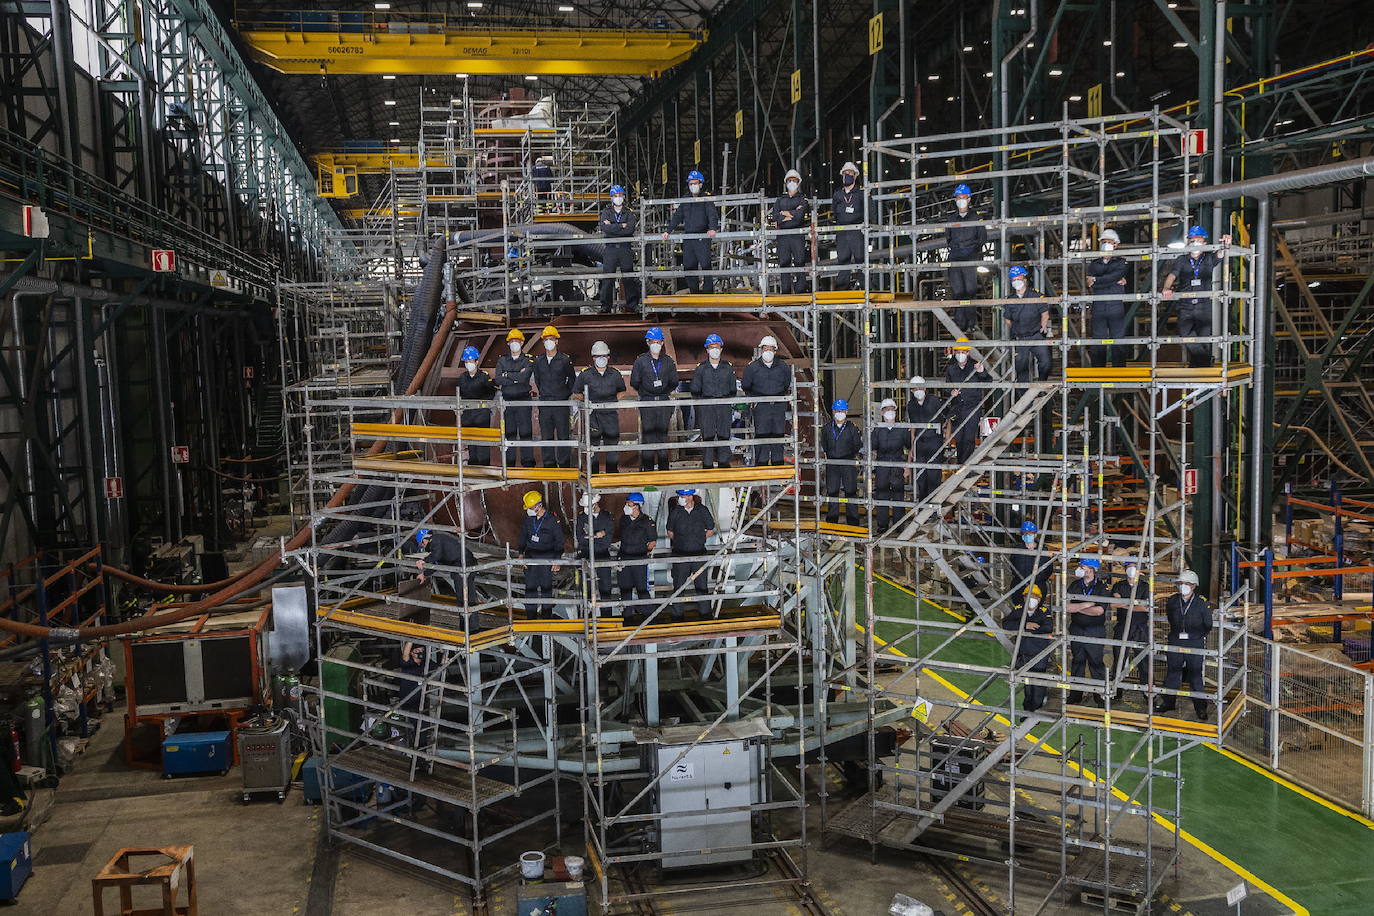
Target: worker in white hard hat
(1108,277)
(891,444)
(847,208)
(1190,623)
(927,415)
(792,212)
(768,376)
(601,383)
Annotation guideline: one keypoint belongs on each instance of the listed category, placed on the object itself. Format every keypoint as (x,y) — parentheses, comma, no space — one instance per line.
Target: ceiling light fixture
(1180,44)
(381,6)
(1075,98)
(531,78)
(968,48)
(389,76)
(933,77)
(565,9)
(389,102)
(1056,72)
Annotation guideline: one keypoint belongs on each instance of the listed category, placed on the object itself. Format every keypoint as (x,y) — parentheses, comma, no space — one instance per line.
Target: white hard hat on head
(600,349)
(917,381)
(1188,576)
(888,402)
(768,341)
(1109,235)
(588,499)
(792,173)
(849,167)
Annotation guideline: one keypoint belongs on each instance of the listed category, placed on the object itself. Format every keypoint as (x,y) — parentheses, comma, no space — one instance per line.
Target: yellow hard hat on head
(962,340)
(532,499)
(515,334)
(551,331)
(1034,591)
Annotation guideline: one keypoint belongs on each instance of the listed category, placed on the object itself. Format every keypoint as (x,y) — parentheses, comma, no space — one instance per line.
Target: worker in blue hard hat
(847,208)
(620,223)
(654,378)
(443,549)
(475,385)
(1190,277)
(1027,321)
(1031,565)
(690,523)
(965,244)
(791,211)
(714,378)
(1087,627)
(697,217)
(1107,276)
(842,443)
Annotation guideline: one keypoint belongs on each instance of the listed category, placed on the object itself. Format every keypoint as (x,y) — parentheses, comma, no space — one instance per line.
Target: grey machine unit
(720,771)
(265,757)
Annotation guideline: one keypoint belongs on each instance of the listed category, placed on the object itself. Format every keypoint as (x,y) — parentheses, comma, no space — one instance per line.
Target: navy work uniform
(770,417)
(847,207)
(1035,628)
(1025,321)
(447,550)
(543,178)
(699,217)
(792,247)
(889,443)
(555,377)
(1133,621)
(600,386)
(965,408)
(638,536)
(713,420)
(615,258)
(513,374)
(842,445)
(1031,567)
(597,548)
(1085,658)
(1192,276)
(476,386)
(965,244)
(926,440)
(1190,622)
(541,538)
(688,531)
(1109,315)
(654,379)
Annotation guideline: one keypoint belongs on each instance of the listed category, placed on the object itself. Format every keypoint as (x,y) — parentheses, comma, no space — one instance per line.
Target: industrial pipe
(1295,180)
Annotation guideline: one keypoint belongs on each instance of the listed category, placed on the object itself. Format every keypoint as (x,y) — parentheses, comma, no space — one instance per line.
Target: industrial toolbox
(265,757)
(16,863)
(196,752)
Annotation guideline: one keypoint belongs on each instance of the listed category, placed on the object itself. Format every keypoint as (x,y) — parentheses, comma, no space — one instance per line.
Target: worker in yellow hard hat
(554,376)
(514,371)
(965,404)
(1029,624)
(542,541)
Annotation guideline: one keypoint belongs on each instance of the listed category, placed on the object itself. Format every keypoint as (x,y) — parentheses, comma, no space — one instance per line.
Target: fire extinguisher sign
(1190,482)
(114,487)
(181,454)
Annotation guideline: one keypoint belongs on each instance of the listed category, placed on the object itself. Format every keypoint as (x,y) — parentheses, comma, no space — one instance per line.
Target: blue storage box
(196,752)
(16,863)
(349,786)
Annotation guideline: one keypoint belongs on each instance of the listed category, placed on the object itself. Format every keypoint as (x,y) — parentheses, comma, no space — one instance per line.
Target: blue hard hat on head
(1017,271)
(963,190)
(1091,562)
(714,340)
(1196,232)
(617,189)
(1029,527)
(686,492)
(694,175)
(840,404)
(635,498)
(470,353)
(653,334)
(421,535)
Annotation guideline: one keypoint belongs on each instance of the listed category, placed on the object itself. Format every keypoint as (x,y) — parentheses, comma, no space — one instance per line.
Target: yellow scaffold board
(443,469)
(754,301)
(411,630)
(691,477)
(806,524)
(1210,375)
(425,433)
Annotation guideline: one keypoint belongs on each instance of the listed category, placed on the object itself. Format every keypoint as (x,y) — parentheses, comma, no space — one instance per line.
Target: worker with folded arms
(890,444)
(842,444)
(1107,276)
(1192,273)
(654,378)
(554,376)
(714,378)
(618,222)
(1190,623)
(847,209)
(690,523)
(594,533)
(514,372)
(638,538)
(602,383)
(541,538)
(696,217)
(965,404)
(1087,620)
(475,385)
(792,211)
(965,244)
(1028,321)
(765,377)
(927,413)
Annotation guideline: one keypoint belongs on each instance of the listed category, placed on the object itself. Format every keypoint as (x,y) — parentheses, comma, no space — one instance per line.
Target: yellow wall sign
(875,34)
(696,152)
(1095,101)
(796,86)
(664,173)
(739,123)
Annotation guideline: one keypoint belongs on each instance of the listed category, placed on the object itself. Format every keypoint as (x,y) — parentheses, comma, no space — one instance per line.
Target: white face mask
(685,502)
(1109,246)
(919,394)
(530,512)
(961,358)
(1080,572)
(1132,574)
(550,345)
(792,186)
(655,349)
(889,416)
(1019,285)
(694,189)
(1032,603)
(1185,590)
(630,509)
(767,356)
(839,416)
(471,366)
(601,361)
(515,347)
(1028,540)
(714,352)
(961,203)
(617,201)
(1195,244)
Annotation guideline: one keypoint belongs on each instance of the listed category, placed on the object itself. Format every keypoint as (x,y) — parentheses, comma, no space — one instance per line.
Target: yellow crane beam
(290,46)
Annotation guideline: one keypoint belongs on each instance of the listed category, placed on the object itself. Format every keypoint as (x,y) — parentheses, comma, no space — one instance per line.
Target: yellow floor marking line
(1292,786)
(1298,909)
